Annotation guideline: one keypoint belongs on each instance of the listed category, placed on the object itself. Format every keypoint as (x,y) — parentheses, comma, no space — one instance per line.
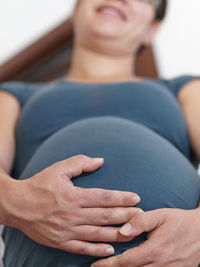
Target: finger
(135,257)
(141,255)
(110,262)
(98,234)
(94,197)
(86,248)
(142,222)
(76,165)
(106,216)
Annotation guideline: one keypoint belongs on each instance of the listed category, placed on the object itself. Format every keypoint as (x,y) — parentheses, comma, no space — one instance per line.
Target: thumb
(76,165)
(142,222)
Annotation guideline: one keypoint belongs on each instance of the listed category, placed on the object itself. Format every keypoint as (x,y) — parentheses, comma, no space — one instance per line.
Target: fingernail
(135,199)
(126,229)
(98,160)
(110,250)
(139,211)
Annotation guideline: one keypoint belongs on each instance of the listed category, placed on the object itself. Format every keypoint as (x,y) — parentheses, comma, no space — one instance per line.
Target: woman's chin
(108,31)
(108,25)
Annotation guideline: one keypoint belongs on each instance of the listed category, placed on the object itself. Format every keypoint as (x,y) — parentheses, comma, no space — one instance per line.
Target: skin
(172,240)
(110,45)
(47,203)
(52,211)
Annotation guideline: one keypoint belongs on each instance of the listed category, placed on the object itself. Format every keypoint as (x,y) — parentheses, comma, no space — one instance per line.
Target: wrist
(9,200)
(198,209)
(5,188)
(196,212)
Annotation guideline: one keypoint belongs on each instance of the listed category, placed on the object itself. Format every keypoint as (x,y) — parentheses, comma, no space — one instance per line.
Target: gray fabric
(151,103)
(139,129)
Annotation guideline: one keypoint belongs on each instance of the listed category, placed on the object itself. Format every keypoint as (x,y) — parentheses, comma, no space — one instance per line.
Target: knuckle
(67,247)
(74,248)
(69,217)
(59,239)
(83,250)
(72,196)
(121,198)
(73,163)
(54,168)
(81,157)
(79,195)
(96,236)
(106,197)
(58,168)
(121,263)
(77,162)
(55,242)
(54,237)
(107,216)
(142,223)
(129,213)
(126,214)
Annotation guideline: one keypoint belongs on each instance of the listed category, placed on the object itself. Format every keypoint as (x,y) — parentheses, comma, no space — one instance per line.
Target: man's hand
(53,212)
(173,240)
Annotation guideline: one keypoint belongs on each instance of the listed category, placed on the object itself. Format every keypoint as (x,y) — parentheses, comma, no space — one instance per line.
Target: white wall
(176,46)
(24,21)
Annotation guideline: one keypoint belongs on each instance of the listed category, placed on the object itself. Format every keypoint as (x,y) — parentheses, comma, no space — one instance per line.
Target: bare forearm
(5,188)
(3,172)
(9,194)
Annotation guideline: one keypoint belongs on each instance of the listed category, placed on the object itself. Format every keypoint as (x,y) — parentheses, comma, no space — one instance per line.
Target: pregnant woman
(146,130)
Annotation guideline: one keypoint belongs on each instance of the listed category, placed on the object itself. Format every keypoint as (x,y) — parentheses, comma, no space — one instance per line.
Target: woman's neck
(92,66)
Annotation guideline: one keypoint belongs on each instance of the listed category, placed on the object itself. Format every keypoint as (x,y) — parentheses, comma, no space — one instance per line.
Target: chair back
(48,58)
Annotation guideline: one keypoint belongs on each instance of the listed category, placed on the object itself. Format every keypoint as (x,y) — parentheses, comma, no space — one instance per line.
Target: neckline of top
(62,81)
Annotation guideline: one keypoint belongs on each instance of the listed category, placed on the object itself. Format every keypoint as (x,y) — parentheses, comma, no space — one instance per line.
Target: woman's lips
(113,11)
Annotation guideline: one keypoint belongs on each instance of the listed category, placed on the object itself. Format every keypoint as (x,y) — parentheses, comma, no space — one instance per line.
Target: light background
(177,45)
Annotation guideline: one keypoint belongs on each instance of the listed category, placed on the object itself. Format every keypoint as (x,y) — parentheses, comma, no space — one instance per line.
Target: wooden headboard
(48,58)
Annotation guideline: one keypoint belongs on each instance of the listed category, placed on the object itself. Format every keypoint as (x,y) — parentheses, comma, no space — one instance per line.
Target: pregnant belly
(135,159)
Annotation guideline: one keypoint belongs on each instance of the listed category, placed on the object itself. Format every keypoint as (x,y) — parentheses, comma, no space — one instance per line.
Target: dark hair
(159,16)
(161,12)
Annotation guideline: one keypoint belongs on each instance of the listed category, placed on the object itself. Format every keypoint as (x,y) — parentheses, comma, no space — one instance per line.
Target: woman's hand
(173,240)
(52,211)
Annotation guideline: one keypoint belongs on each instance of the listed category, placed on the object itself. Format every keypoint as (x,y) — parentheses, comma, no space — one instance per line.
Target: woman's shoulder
(22,90)
(176,83)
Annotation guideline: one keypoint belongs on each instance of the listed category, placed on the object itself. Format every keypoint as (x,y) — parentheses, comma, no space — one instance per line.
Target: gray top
(47,107)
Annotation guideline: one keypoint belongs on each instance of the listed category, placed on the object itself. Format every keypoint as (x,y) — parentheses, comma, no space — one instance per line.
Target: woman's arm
(7,191)
(49,208)
(189,99)
(9,114)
